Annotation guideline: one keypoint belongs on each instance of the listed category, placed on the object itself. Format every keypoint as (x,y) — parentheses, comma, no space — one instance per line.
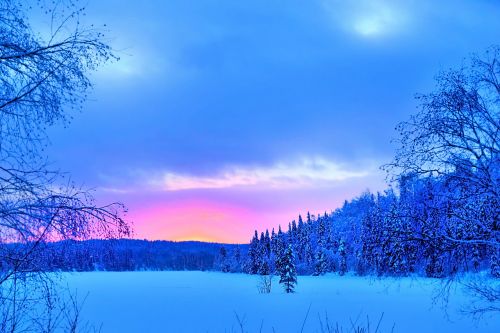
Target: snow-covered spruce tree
(368,239)
(264,268)
(280,248)
(266,243)
(301,239)
(235,261)
(321,232)
(222,262)
(253,259)
(292,234)
(288,274)
(360,263)
(397,264)
(342,257)
(321,265)
(308,251)
(264,254)
(273,241)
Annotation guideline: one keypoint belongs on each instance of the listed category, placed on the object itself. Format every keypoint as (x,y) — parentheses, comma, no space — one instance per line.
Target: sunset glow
(192,220)
(220,119)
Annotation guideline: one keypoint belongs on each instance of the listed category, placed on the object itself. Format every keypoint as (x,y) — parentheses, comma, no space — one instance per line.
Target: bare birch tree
(455,137)
(43,77)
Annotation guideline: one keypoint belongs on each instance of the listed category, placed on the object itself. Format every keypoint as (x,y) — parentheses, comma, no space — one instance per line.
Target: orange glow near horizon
(198,220)
(210,220)
(229,218)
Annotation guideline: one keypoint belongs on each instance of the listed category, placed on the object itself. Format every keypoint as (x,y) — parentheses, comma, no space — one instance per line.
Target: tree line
(383,234)
(130,255)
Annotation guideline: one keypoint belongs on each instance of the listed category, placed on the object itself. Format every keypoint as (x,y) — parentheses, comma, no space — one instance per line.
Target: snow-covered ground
(210,302)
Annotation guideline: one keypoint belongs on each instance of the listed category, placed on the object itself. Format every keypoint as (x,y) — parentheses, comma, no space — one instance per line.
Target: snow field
(211,302)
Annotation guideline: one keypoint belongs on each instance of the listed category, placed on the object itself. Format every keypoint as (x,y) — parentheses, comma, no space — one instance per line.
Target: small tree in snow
(288,275)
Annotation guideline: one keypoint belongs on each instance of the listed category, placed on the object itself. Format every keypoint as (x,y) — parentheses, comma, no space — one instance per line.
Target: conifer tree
(321,266)
(308,252)
(342,258)
(321,232)
(267,244)
(223,261)
(273,241)
(253,262)
(288,274)
(294,231)
(301,239)
(264,268)
(235,265)
(280,248)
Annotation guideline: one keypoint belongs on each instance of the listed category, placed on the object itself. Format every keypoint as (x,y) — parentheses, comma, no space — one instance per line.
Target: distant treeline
(127,255)
(417,230)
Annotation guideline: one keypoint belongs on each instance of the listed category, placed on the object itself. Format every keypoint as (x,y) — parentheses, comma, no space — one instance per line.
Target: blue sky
(263,109)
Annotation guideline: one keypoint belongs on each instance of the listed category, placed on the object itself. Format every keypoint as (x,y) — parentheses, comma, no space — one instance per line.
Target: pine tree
(321,232)
(293,233)
(308,252)
(360,263)
(398,265)
(321,266)
(253,262)
(235,263)
(288,274)
(280,248)
(342,258)
(264,268)
(267,244)
(264,249)
(301,239)
(273,241)
(223,261)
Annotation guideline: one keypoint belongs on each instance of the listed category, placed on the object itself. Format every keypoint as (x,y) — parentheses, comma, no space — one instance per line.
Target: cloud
(369,18)
(306,172)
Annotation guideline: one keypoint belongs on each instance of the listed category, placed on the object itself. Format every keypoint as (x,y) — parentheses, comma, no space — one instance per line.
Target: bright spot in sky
(374,18)
(381,21)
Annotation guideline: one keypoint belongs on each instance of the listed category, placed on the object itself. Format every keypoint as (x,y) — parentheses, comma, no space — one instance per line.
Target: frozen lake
(211,302)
